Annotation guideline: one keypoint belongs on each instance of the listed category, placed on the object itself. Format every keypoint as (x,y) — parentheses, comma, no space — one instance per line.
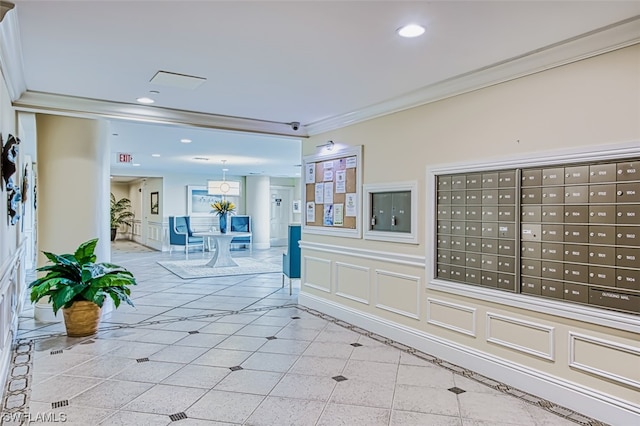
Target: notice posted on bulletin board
(332,190)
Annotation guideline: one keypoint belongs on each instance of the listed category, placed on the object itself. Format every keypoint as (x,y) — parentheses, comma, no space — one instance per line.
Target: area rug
(196,268)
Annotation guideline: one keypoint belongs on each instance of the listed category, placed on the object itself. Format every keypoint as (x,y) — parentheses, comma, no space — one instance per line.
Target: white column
(73,189)
(258,206)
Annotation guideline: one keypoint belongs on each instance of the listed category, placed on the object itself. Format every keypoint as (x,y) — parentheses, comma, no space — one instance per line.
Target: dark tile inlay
(178,416)
(271,338)
(356,345)
(56,352)
(194,332)
(339,378)
(142,360)
(59,404)
(295,317)
(235,368)
(456,390)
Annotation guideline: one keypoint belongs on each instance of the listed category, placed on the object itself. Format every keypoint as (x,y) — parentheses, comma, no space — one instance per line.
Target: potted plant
(120,214)
(78,285)
(222,208)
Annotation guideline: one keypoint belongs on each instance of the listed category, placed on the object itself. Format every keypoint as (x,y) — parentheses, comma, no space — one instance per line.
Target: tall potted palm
(79,286)
(121,214)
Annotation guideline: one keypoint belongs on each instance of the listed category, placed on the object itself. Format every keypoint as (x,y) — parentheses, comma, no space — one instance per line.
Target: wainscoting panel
(452,316)
(352,282)
(522,336)
(320,269)
(613,361)
(398,293)
(12,294)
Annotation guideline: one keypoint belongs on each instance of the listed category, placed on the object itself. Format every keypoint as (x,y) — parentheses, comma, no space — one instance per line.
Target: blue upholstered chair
(180,234)
(291,259)
(241,223)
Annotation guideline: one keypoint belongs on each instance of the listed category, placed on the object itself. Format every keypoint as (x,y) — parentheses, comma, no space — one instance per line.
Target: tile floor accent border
(15,403)
(524,396)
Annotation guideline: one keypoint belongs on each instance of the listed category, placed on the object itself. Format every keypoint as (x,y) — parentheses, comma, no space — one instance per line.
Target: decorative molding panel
(520,335)
(392,287)
(607,359)
(317,267)
(378,256)
(352,282)
(441,314)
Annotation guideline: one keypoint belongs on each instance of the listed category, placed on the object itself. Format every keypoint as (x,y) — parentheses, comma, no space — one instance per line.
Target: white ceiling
(315,62)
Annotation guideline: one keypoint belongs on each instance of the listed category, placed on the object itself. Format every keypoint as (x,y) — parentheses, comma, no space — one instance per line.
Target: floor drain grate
(56,352)
(456,390)
(142,360)
(339,378)
(59,404)
(178,416)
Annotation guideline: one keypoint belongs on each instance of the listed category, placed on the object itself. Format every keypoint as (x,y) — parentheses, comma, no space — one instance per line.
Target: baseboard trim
(576,397)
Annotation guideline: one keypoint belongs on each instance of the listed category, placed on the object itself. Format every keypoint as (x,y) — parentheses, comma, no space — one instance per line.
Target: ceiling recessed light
(145,100)
(185,140)
(155,155)
(411,30)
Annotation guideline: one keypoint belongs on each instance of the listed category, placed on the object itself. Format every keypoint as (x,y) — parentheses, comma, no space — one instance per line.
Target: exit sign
(125,157)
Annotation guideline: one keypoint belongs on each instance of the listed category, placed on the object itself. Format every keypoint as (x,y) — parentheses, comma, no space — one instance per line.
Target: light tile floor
(173,359)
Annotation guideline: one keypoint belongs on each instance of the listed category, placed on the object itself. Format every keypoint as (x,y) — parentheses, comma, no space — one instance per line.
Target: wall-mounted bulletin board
(332,196)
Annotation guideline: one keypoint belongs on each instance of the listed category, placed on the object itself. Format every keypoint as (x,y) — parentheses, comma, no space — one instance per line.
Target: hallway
(239,350)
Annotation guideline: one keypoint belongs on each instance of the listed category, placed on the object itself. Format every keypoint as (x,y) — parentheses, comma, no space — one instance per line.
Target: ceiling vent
(180,81)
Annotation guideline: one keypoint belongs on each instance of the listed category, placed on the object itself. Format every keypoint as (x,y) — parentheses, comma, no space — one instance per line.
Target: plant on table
(222,208)
(79,286)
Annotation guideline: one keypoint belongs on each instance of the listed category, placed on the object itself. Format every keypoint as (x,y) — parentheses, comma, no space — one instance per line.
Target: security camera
(295,125)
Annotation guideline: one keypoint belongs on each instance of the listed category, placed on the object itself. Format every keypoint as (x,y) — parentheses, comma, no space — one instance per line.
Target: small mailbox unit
(391,212)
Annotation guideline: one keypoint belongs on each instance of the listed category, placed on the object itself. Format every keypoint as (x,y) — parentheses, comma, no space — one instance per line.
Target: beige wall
(583,105)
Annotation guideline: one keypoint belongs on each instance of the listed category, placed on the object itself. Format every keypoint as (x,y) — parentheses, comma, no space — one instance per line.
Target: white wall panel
(522,336)
(352,282)
(452,316)
(398,293)
(605,358)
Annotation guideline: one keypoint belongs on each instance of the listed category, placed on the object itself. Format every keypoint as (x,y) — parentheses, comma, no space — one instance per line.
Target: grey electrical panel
(391,211)
(569,232)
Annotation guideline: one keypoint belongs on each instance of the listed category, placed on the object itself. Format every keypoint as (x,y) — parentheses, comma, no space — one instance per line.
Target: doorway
(280,215)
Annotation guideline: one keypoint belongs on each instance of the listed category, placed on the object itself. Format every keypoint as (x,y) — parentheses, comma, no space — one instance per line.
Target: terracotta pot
(82,318)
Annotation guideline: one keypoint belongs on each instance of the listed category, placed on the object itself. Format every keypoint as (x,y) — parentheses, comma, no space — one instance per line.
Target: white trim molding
(320,260)
(575,337)
(455,306)
(340,265)
(549,355)
(607,39)
(582,399)
(379,256)
(418,286)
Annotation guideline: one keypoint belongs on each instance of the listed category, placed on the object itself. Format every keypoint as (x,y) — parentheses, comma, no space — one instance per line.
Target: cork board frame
(332,194)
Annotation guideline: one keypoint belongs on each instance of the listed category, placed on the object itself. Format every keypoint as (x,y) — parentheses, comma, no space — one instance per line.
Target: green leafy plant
(223,207)
(75,277)
(121,213)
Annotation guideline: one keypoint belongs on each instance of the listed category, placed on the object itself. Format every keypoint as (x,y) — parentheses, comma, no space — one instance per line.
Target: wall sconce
(328,146)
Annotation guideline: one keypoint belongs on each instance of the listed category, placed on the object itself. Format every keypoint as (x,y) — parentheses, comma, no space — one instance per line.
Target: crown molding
(602,40)
(11,51)
(85,107)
